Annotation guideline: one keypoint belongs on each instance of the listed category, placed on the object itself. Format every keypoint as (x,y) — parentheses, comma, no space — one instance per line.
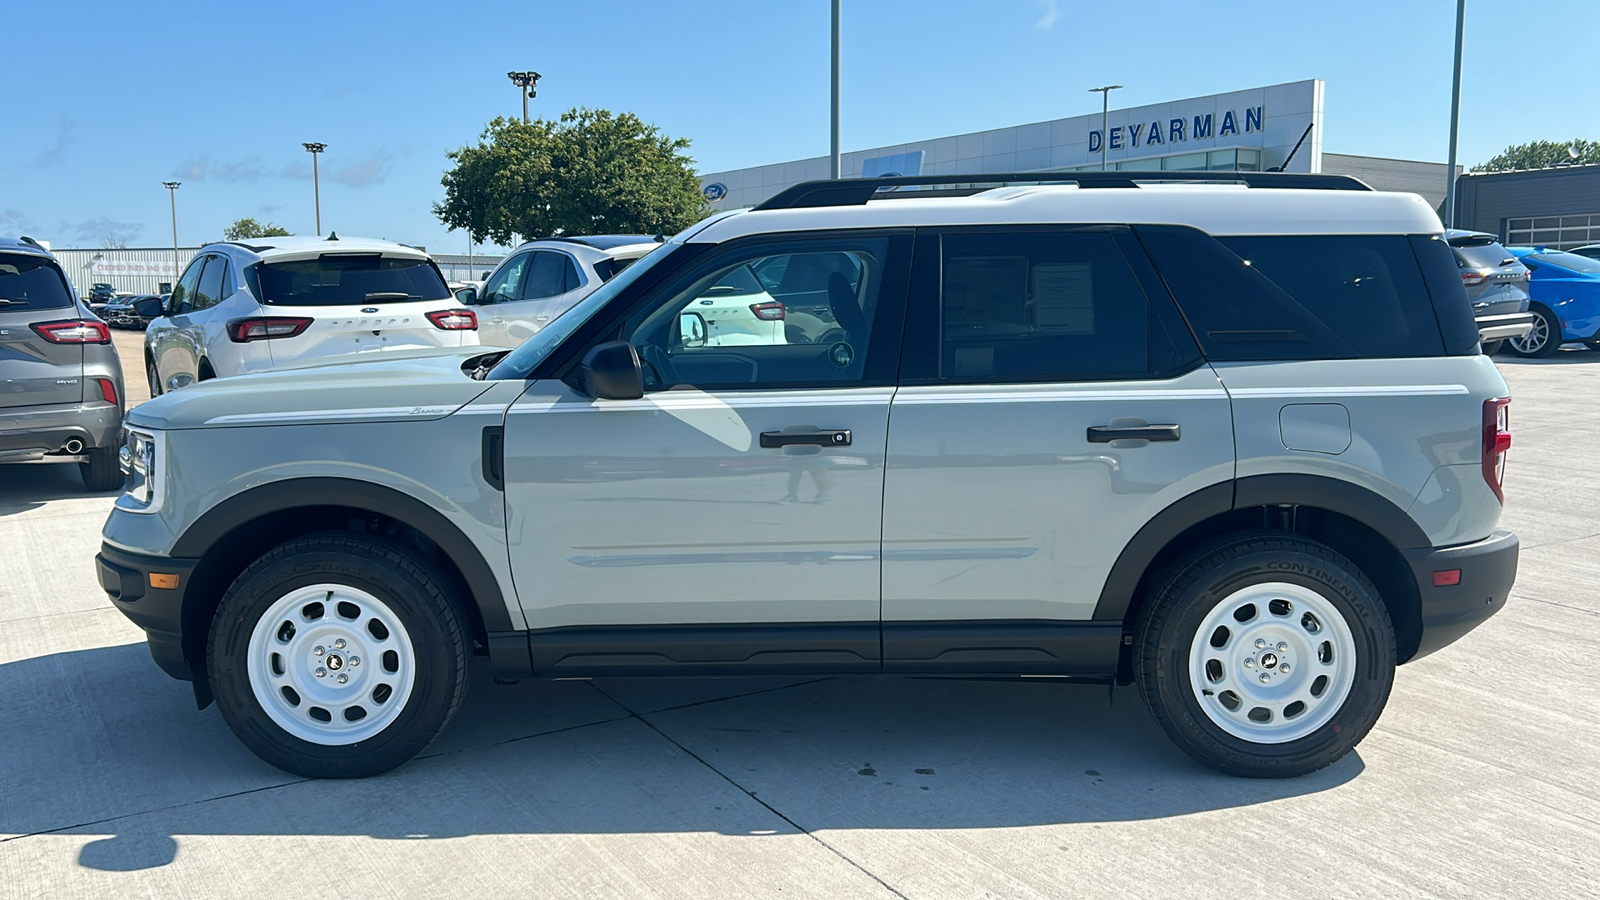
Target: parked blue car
(1565,293)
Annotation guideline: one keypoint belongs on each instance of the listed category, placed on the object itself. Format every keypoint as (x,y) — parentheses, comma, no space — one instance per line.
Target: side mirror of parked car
(149,307)
(611,371)
(692,329)
(467,296)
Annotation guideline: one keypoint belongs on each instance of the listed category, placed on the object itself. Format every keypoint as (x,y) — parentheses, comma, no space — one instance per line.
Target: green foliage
(591,172)
(245,229)
(1542,155)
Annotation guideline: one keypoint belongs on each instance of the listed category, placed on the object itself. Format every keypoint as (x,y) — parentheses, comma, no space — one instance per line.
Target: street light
(316,189)
(172,193)
(527,84)
(1105,111)
(1455,121)
(833,143)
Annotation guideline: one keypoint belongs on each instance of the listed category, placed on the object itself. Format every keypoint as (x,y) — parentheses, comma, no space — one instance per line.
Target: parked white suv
(542,279)
(244,307)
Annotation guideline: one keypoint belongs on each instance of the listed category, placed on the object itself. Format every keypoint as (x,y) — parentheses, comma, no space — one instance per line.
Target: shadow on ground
(30,486)
(109,746)
(1570,354)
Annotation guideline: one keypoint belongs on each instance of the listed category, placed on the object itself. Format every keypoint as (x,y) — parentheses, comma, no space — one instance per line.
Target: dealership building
(1558,207)
(1251,130)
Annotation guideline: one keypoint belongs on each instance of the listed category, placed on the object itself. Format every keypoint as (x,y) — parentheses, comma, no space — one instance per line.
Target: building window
(1553,232)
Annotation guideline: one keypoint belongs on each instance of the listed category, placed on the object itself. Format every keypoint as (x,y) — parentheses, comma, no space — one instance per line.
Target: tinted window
(31,282)
(1449,295)
(547,276)
(350,280)
(183,294)
(1042,306)
(209,293)
(1571,261)
(1482,255)
(1366,288)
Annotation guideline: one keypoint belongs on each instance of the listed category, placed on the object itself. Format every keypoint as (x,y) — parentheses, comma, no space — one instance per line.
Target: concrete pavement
(1479,781)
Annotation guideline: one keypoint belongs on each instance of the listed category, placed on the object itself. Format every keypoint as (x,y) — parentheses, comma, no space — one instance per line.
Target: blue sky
(101,102)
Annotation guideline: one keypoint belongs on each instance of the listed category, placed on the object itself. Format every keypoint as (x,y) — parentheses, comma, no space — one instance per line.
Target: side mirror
(467,296)
(611,371)
(149,307)
(692,330)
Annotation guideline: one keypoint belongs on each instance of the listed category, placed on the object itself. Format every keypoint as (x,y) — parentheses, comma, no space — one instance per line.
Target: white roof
(302,246)
(1216,209)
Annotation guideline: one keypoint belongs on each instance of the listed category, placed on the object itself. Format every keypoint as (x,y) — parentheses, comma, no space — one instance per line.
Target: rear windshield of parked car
(31,282)
(1488,255)
(349,279)
(1571,261)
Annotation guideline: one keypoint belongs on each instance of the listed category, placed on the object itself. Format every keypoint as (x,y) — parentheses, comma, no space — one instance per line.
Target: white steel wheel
(1537,341)
(1272,662)
(331,664)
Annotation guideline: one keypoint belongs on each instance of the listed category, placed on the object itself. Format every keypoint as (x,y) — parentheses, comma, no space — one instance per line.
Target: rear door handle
(1105,434)
(839,437)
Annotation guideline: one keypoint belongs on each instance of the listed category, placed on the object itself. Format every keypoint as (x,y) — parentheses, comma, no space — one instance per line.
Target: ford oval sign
(370,309)
(714,191)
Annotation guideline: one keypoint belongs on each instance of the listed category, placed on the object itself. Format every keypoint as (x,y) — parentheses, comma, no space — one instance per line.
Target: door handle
(839,437)
(1105,434)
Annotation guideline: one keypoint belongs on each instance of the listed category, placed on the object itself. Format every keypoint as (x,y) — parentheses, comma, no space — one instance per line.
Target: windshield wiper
(391,295)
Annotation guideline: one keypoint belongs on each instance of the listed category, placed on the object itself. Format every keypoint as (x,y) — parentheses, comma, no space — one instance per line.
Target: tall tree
(589,172)
(245,229)
(1542,155)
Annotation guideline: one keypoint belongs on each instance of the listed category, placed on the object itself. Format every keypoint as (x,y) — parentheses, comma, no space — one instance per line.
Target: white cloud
(1049,12)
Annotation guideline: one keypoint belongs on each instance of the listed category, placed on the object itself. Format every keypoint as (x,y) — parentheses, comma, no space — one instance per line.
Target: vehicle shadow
(27,487)
(1569,354)
(115,752)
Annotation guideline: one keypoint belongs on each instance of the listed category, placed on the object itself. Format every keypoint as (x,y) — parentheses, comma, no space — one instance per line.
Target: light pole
(1455,122)
(1105,113)
(316,189)
(527,85)
(833,152)
(172,192)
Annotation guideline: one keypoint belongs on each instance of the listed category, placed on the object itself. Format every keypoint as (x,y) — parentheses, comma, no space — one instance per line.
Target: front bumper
(125,577)
(29,432)
(1488,569)
(1508,325)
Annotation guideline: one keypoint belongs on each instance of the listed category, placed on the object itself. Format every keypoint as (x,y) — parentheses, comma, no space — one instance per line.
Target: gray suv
(1497,287)
(1115,430)
(61,397)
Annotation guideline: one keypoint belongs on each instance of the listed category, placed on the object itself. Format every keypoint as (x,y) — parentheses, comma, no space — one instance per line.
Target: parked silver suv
(1497,287)
(61,396)
(1235,446)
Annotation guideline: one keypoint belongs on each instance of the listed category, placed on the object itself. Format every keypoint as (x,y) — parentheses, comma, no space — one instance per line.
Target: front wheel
(154,377)
(338,656)
(1266,655)
(1540,341)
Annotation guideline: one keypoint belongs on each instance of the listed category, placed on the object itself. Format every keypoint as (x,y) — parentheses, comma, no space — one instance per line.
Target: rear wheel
(338,656)
(1266,655)
(1540,341)
(101,469)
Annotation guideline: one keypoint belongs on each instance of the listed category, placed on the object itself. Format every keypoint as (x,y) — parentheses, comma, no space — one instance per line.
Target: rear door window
(31,282)
(209,293)
(350,279)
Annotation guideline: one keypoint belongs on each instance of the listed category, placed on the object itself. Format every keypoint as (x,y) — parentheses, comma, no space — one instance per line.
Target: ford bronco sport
(1232,442)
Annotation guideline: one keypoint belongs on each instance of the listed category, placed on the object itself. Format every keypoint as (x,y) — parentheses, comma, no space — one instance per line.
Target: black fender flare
(278,496)
(1332,494)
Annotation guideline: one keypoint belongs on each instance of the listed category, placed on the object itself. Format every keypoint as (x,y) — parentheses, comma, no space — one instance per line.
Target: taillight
(108,391)
(1496,441)
(1471,278)
(454,319)
(265,328)
(77,331)
(771,311)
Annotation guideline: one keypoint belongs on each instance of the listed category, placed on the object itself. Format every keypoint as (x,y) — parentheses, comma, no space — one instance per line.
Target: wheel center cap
(334,662)
(1268,660)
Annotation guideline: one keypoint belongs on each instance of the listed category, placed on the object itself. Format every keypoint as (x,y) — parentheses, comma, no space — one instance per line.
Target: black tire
(417,593)
(1194,586)
(1490,348)
(153,375)
(1552,327)
(102,471)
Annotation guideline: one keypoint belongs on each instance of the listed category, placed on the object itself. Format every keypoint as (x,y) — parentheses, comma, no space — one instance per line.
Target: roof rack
(856,191)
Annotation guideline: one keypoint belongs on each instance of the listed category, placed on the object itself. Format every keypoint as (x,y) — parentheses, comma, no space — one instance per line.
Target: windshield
(1486,255)
(350,279)
(519,362)
(31,282)
(1569,261)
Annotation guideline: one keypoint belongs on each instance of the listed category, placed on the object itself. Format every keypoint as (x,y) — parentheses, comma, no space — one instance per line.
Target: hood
(399,387)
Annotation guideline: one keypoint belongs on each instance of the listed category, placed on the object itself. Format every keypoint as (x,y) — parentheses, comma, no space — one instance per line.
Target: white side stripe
(317,414)
(1382,390)
(906,398)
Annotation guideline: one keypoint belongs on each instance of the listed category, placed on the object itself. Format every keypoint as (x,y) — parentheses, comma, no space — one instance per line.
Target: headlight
(141,459)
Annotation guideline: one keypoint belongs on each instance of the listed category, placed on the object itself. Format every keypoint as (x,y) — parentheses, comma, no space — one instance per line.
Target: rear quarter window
(31,282)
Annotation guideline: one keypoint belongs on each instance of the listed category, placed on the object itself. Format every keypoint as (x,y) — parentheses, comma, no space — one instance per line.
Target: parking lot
(1482,779)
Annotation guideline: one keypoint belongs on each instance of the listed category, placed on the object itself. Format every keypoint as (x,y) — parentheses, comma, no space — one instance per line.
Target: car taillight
(1471,278)
(771,311)
(77,331)
(265,328)
(108,391)
(1496,441)
(454,319)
